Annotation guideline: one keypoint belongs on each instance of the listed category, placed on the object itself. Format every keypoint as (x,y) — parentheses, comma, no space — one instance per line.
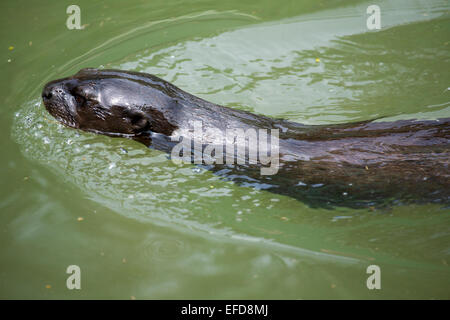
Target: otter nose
(53,90)
(47,93)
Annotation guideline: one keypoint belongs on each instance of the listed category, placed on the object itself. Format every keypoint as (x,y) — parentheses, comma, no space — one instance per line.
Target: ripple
(268,68)
(165,249)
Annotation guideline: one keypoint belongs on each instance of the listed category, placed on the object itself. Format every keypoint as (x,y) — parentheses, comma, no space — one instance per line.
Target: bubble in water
(28,120)
(111,165)
(46,140)
(69,141)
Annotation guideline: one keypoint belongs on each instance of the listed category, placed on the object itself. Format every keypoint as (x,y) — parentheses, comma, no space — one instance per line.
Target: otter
(360,164)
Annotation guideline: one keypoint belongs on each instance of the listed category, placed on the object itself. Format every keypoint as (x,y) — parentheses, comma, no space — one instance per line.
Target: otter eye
(80,100)
(137,119)
(85,94)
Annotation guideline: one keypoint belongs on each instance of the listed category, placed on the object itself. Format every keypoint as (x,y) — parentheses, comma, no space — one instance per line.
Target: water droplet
(28,120)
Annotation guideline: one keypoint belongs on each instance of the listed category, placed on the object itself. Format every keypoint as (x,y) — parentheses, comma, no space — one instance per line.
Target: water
(140,226)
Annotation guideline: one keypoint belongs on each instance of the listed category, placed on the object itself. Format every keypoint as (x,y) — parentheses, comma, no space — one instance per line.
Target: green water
(139,226)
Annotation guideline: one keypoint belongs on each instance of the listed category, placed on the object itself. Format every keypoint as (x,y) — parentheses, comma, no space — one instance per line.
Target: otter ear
(138,119)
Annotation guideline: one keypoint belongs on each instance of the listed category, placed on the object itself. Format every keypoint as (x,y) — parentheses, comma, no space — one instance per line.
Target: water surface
(140,226)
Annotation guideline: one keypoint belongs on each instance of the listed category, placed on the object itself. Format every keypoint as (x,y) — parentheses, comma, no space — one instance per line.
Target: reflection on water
(163,229)
(316,68)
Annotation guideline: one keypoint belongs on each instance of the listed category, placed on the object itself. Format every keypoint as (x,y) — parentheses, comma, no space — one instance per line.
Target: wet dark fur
(354,164)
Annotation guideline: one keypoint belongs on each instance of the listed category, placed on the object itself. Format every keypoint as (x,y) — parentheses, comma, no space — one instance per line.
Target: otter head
(109,102)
